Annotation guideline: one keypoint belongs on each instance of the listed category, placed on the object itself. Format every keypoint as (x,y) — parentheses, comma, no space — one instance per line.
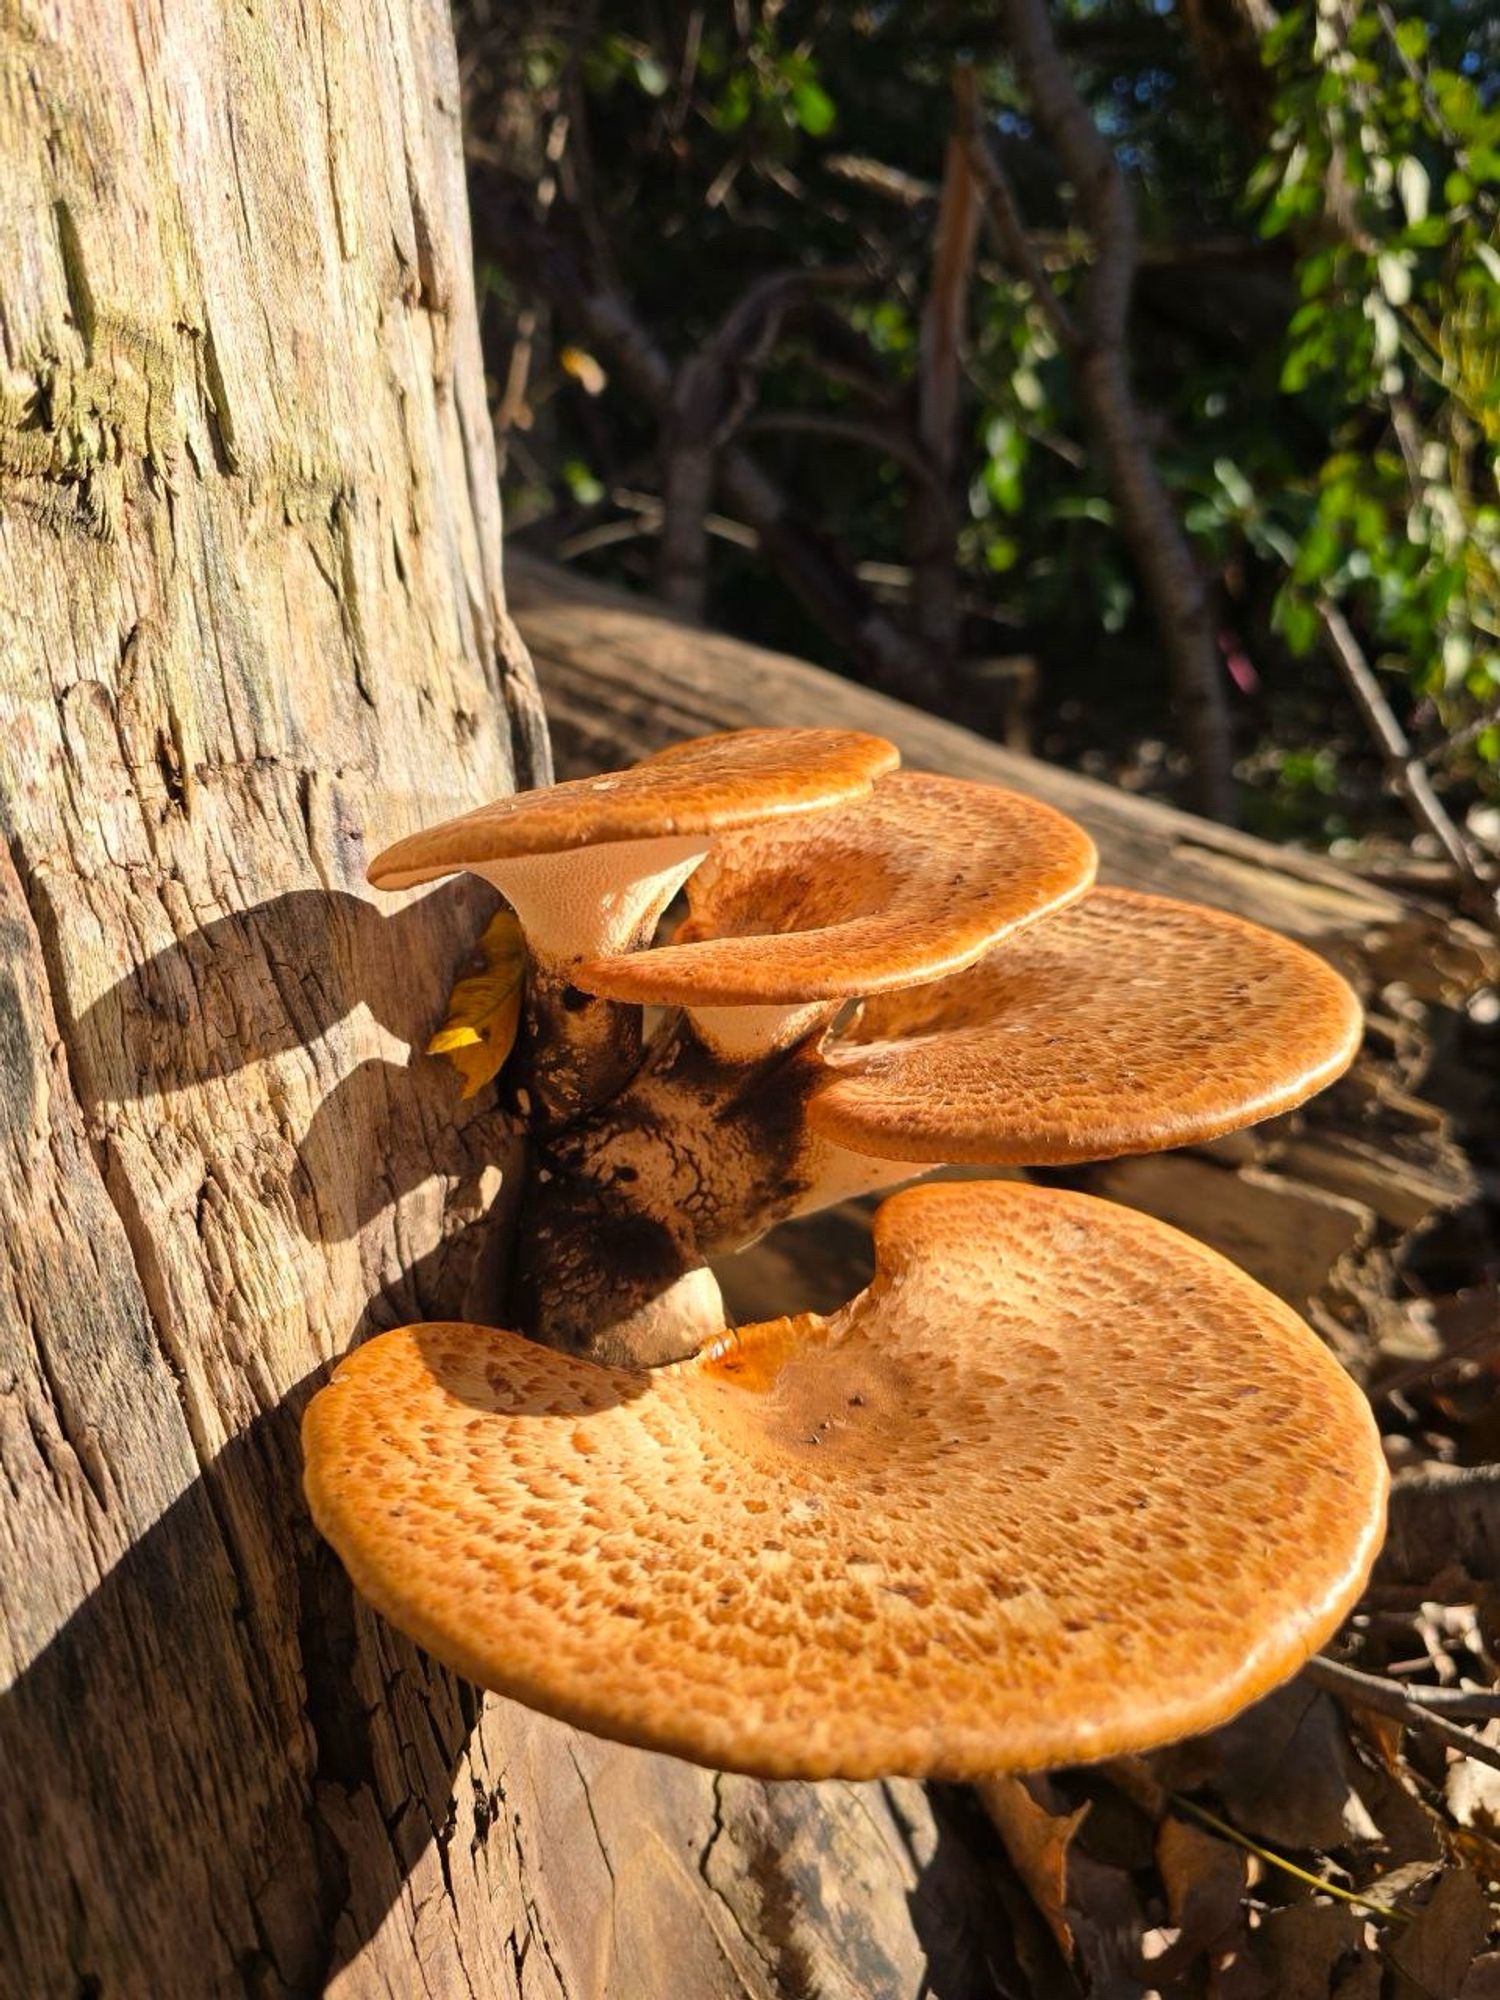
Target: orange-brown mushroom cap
(910,882)
(1061,1484)
(1124,1024)
(698,787)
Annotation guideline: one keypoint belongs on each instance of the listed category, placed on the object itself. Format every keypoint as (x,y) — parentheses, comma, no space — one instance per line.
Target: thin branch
(879,178)
(1387,1698)
(1161,550)
(1017,246)
(1181,1803)
(1406,770)
(931,516)
(711,396)
(886,440)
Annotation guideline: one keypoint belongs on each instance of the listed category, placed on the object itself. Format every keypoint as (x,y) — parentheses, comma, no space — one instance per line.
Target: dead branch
(1387,1698)
(1016,244)
(712,394)
(1407,773)
(1152,530)
(932,524)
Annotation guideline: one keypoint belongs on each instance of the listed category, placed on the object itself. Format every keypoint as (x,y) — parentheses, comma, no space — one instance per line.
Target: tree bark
(251,628)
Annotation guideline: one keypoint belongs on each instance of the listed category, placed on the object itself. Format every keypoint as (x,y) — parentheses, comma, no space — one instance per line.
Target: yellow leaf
(584,369)
(484,1009)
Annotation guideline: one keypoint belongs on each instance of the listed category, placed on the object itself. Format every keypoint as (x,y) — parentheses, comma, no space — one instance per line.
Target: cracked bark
(251,628)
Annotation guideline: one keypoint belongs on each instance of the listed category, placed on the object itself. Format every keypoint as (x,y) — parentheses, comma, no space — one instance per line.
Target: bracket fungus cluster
(1061,1483)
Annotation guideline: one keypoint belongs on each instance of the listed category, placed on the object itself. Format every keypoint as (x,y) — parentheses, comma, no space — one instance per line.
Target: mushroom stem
(695,1156)
(574,1052)
(600,1274)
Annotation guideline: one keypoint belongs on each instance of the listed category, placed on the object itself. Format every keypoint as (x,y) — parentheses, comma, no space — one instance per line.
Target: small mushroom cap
(1060,1485)
(699,787)
(1124,1024)
(910,882)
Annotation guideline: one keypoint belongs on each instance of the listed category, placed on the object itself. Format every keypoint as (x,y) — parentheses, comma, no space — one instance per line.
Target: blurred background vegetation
(813,319)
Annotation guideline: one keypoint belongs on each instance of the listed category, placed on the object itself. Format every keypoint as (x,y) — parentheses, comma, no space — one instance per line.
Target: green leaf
(1297,621)
(815,109)
(1395,276)
(1415,188)
(651,77)
(1235,484)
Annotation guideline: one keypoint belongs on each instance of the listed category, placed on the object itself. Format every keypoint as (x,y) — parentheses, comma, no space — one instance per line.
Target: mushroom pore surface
(913,881)
(1061,1484)
(1121,1024)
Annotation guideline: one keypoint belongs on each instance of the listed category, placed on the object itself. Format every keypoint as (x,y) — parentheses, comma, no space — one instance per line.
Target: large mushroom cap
(1122,1025)
(905,884)
(1061,1484)
(699,787)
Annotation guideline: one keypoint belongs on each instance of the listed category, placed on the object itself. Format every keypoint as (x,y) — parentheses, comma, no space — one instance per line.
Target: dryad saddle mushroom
(1061,1483)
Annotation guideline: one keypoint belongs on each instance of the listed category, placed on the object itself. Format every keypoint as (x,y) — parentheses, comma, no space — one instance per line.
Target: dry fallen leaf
(1302,1946)
(1483,1979)
(484,1009)
(1435,1952)
(1472,1789)
(1037,1842)
(1282,1771)
(1205,1880)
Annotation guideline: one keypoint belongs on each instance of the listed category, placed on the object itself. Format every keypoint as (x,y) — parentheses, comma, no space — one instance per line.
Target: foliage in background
(1315,335)
(1385,165)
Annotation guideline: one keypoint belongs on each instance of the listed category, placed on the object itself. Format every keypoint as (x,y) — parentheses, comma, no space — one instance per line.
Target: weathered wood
(251,627)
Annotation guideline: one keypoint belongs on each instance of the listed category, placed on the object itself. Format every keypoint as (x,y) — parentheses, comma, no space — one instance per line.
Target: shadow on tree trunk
(223,1697)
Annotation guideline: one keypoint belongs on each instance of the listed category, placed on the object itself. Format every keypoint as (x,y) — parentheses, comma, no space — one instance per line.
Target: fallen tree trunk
(251,627)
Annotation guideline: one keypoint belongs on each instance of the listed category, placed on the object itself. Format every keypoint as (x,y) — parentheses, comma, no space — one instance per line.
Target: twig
(712,394)
(932,530)
(1387,1698)
(881,179)
(889,442)
(1275,1860)
(1407,771)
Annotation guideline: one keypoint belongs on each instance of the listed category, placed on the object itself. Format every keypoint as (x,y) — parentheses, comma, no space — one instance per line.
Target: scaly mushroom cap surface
(1061,1484)
(699,787)
(910,882)
(1124,1024)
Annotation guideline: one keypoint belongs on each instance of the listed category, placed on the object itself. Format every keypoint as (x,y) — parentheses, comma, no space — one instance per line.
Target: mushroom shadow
(177,1018)
(565,1387)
